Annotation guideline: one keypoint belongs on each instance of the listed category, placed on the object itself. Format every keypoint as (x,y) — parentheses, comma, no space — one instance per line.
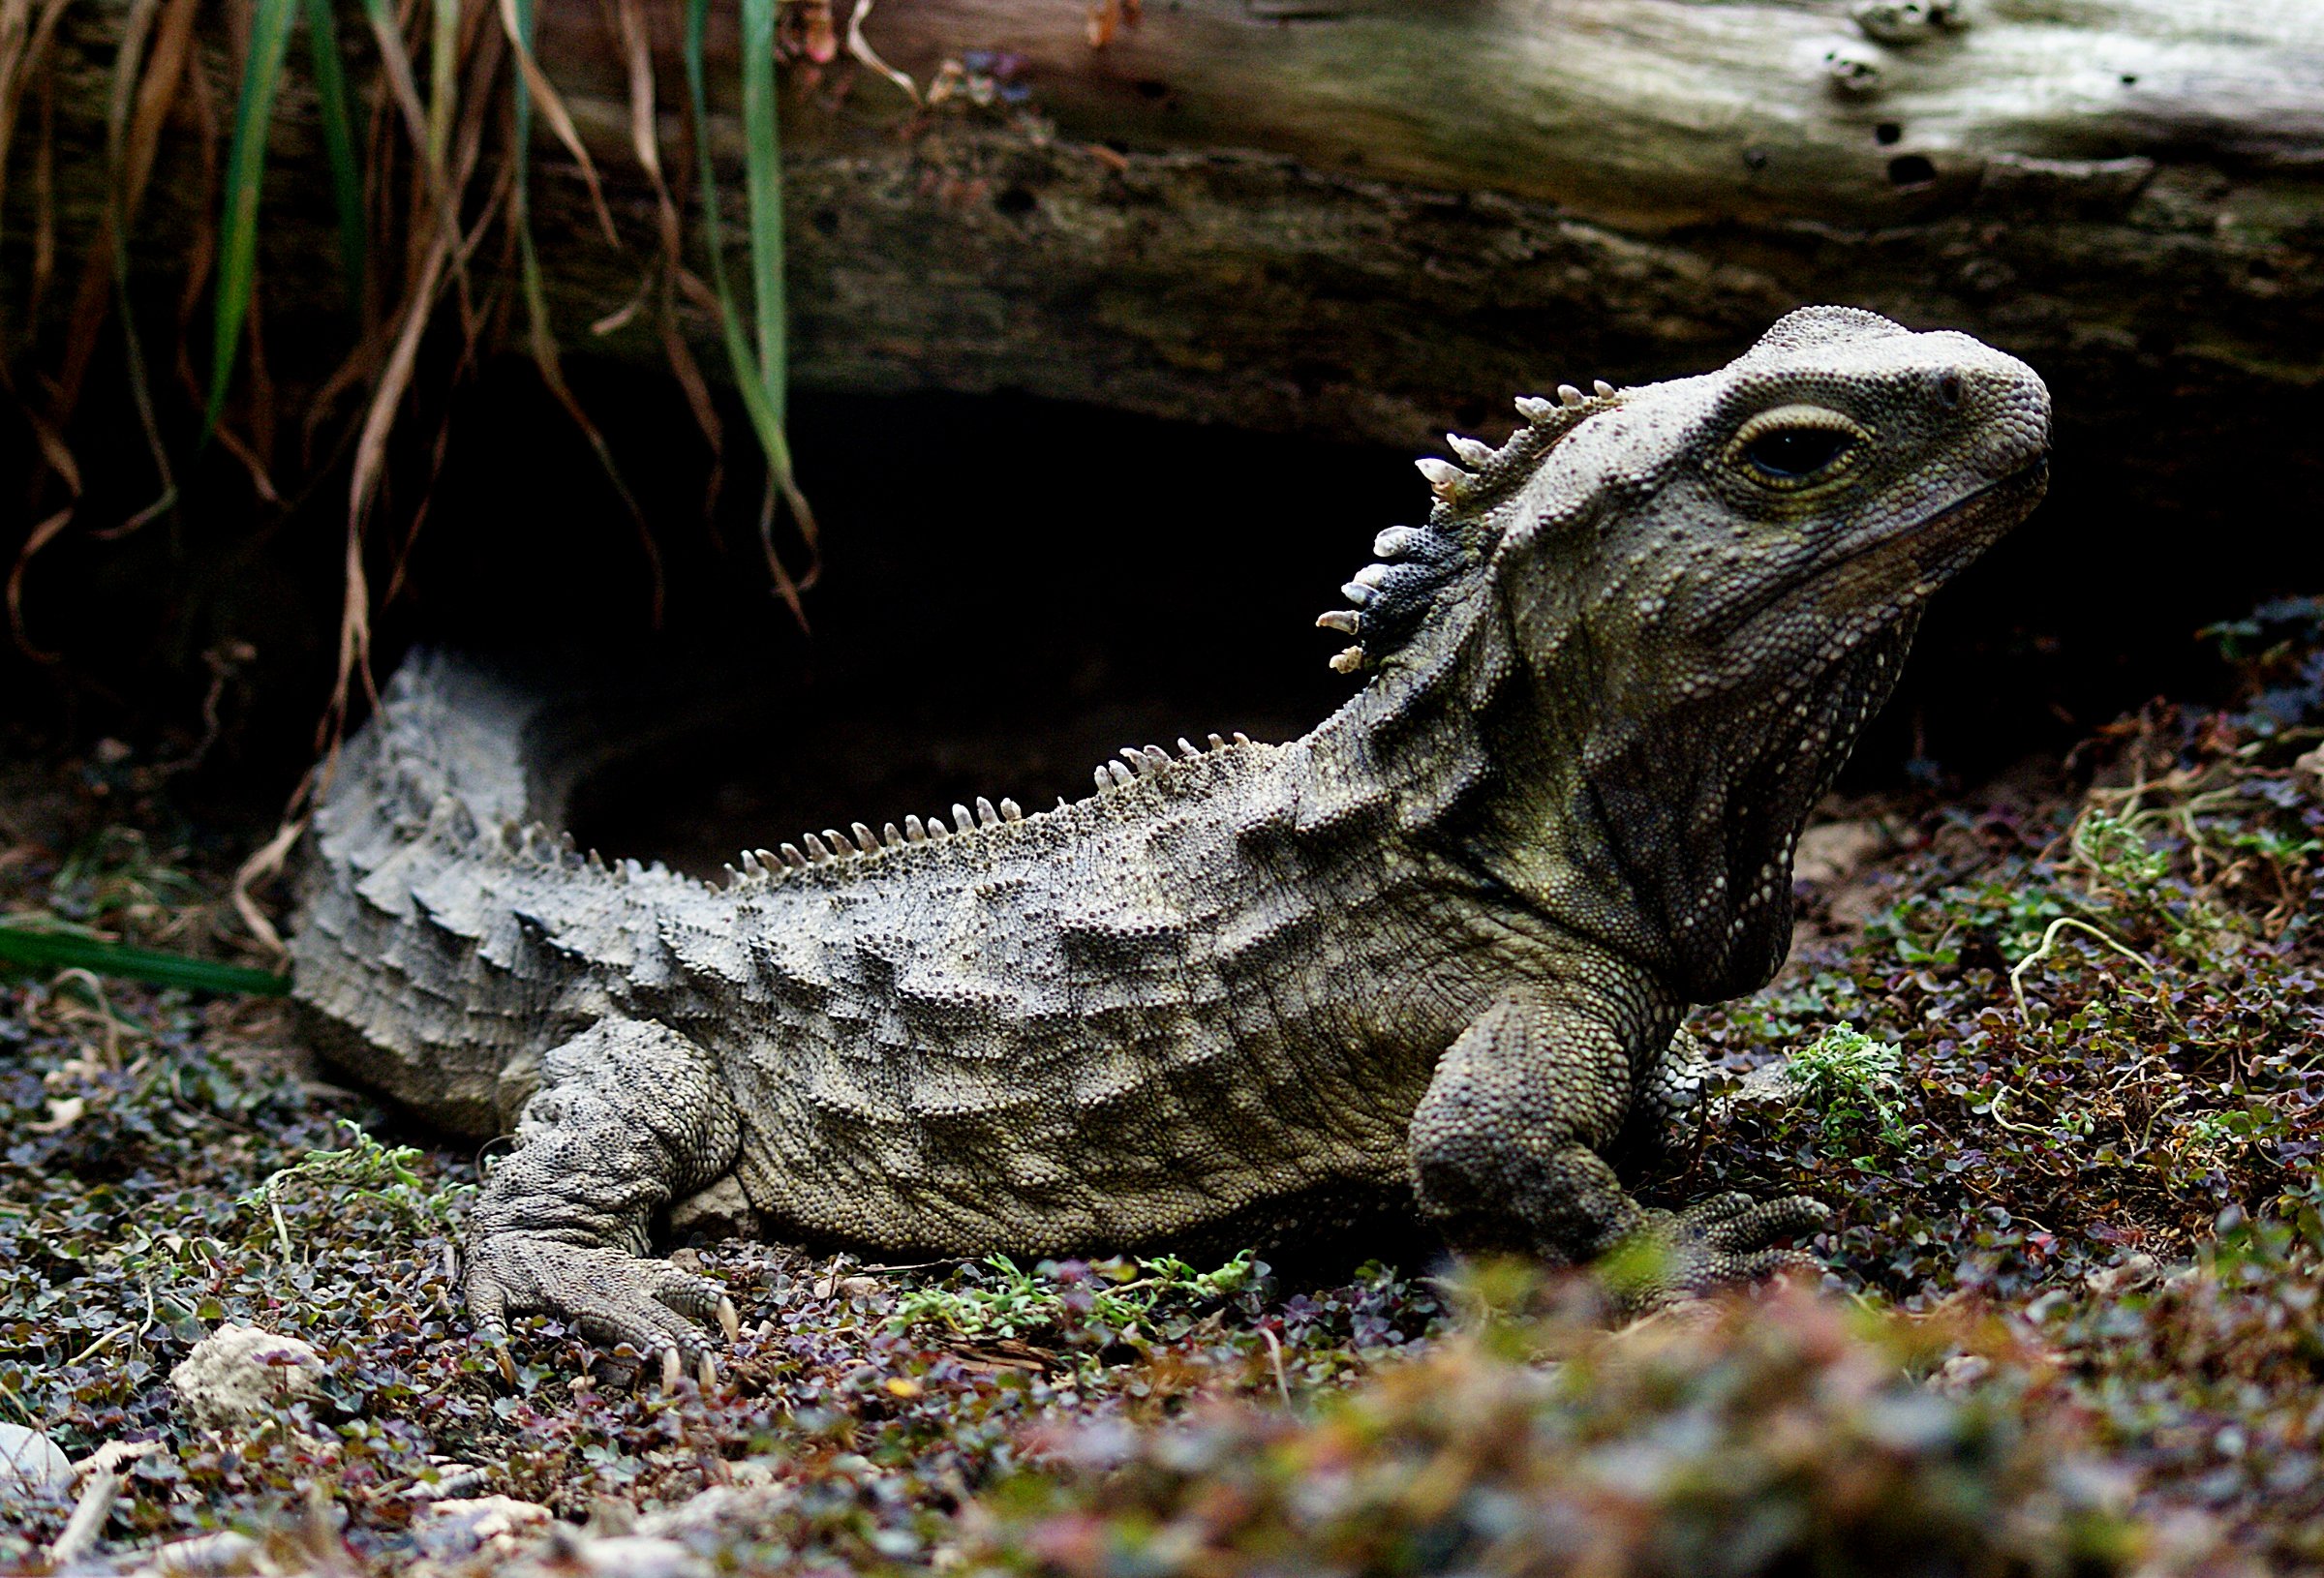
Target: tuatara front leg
(1666,1107)
(1508,1143)
(629,1117)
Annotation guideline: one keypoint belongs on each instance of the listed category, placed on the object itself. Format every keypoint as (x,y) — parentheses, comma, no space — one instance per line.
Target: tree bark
(1373,219)
(1376,219)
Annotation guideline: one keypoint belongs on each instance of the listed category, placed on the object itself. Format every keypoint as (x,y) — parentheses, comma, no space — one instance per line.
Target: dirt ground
(2052,1048)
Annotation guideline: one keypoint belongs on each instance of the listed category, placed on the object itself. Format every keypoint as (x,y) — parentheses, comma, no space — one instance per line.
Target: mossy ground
(2057,1059)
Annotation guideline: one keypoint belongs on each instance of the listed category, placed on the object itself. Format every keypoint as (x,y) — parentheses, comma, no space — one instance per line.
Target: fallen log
(1364,218)
(1361,217)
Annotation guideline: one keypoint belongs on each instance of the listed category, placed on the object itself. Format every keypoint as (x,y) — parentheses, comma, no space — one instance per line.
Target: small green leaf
(245,170)
(759,377)
(762,164)
(339,144)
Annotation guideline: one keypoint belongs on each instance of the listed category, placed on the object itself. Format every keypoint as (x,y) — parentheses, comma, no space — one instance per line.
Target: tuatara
(1435,951)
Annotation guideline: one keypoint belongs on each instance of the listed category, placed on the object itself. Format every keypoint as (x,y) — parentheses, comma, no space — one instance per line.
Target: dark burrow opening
(1014,590)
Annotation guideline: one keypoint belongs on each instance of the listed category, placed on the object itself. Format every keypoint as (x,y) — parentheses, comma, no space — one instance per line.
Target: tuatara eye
(1791,453)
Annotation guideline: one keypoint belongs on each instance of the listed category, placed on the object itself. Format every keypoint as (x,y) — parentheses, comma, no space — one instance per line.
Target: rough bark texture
(1361,217)
(1371,218)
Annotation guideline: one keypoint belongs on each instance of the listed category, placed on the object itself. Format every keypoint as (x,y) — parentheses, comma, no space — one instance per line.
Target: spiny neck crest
(1150,760)
(1394,597)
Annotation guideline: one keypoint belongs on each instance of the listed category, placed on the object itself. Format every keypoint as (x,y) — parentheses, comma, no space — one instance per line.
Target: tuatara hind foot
(613,1297)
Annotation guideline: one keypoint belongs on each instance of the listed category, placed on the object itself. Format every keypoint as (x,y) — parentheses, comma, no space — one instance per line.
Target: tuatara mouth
(1948,539)
(1959,525)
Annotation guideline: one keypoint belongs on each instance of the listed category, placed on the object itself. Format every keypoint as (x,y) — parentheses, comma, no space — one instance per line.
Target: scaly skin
(1437,950)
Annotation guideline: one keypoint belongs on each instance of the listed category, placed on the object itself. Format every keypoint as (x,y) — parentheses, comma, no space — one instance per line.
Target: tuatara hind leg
(1507,1152)
(629,1117)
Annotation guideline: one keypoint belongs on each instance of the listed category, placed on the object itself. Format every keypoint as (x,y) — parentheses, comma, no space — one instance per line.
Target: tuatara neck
(1594,791)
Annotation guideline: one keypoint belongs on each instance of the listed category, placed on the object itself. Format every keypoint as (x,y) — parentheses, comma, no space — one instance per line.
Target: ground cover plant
(2053,1050)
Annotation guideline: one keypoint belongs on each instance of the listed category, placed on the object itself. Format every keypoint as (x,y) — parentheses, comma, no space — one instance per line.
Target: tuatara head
(1737,531)
(1669,610)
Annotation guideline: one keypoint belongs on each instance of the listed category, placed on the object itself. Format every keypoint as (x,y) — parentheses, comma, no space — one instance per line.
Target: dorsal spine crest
(833,849)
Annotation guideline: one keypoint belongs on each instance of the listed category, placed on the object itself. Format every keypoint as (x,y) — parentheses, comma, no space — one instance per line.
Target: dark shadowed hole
(1911,170)
(1016,588)
(1887,131)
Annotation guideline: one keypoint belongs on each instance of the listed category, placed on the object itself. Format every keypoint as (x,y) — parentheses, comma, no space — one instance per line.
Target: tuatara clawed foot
(1727,1241)
(613,1297)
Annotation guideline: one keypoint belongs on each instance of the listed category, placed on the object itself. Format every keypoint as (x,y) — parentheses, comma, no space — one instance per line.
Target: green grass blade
(766,415)
(522,98)
(339,144)
(62,951)
(762,164)
(245,167)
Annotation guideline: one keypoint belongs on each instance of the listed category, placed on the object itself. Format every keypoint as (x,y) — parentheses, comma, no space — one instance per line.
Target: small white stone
(482,1520)
(238,1373)
(1961,1372)
(720,1211)
(1831,852)
(30,1460)
(2133,1271)
(2312,763)
(209,1556)
(640,1556)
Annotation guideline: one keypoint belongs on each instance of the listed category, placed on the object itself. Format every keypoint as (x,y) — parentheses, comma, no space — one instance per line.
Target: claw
(1724,1241)
(616,1298)
(1775,1263)
(707,1372)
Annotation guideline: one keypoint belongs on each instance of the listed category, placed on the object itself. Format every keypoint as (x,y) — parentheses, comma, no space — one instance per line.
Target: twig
(2146,1136)
(1275,1353)
(78,1542)
(87,979)
(8,1395)
(265,864)
(1993,1111)
(861,49)
(2049,943)
(84,1354)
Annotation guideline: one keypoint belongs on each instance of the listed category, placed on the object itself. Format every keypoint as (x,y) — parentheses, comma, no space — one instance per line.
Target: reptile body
(1435,951)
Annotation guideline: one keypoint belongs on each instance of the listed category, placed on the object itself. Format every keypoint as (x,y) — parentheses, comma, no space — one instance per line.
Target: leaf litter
(2054,1052)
